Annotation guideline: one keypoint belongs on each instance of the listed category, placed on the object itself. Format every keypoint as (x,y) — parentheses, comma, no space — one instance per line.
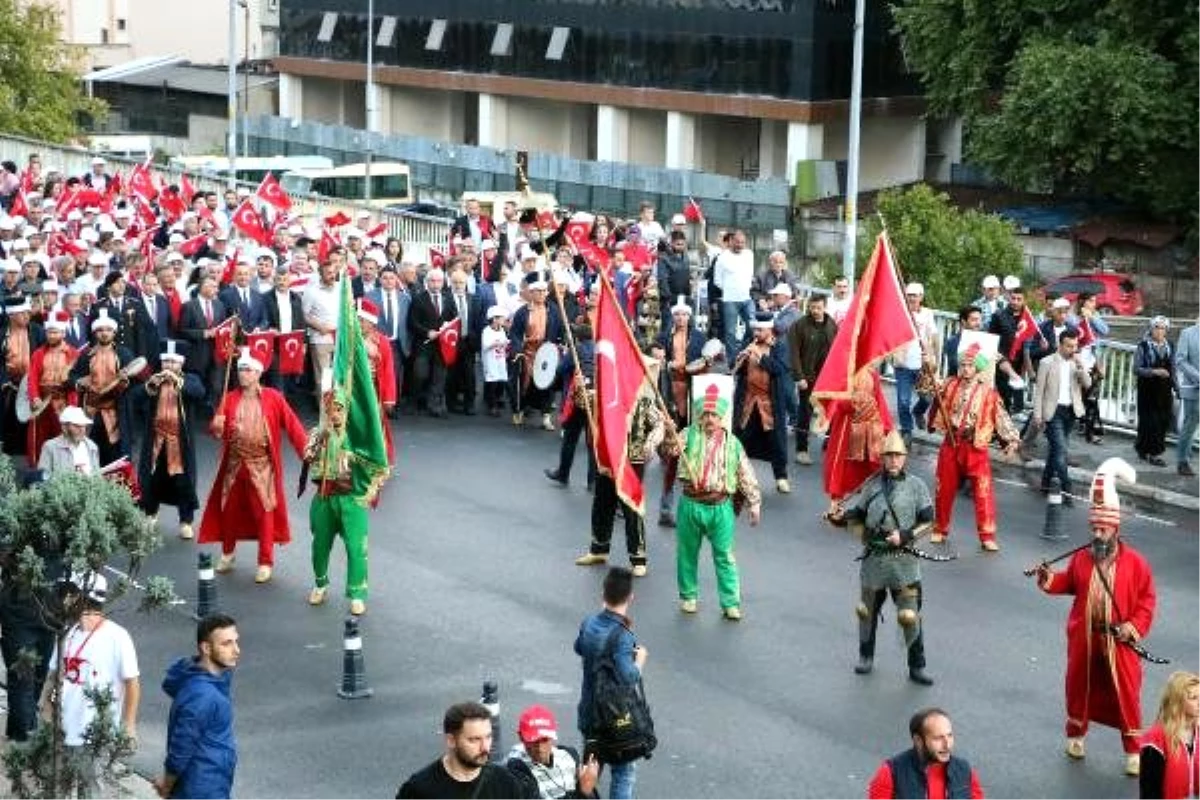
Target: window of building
(120,24)
(502,41)
(387,32)
(328,23)
(558,43)
(437,32)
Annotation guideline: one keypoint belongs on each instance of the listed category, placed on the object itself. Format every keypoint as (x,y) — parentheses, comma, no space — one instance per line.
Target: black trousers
(572,429)
(430,378)
(604,514)
(460,382)
(902,598)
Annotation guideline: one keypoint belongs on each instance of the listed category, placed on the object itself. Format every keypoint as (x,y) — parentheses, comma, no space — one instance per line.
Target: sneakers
(1133,764)
(639,570)
(358,607)
(317,596)
(263,574)
(733,614)
(782,486)
(185,530)
(802,457)
(687,606)
(864,666)
(518,418)
(1075,748)
(989,546)
(937,538)
(919,677)
(547,422)
(591,559)
(225,563)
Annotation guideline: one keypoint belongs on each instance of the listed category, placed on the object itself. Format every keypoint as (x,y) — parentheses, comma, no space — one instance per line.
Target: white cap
(353,233)
(363,214)
(527,253)
(915,288)
(991,282)
(176,238)
(375,255)
(91,584)
(19,307)
(496,311)
(171,353)
(175,255)
(12,265)
(560,277)
(487,244)
(247,361)
(89,235)
(97,258)
(781,288)
(50,286)
(73,415)
(266,252)
(1061,302)
(97,161)
(29,230)
(679,219)
(122,213)
(681,306)
(104,321)
(1011,282)
(7,224)
(20,244)
(34,258)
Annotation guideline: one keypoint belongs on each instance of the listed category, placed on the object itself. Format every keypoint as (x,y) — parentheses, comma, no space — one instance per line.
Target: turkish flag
(546,221)
(172,204)
(1086,335)
(327,244)
(205,213)
(141,181)
(448,336)
(579,229)
(187,190)
(639,256)
(26,181)
(596,257)
(223,347)
(291,353)
(89,198)
(147,247)
(437,258)
(231,261)
(620,373)
(192,246)
(144,210)
(378,230)
(68,202)
(270,191)
(1027,328)
(262,346)
(876,325)
(122,472)
(19,207)
(247,220)
(692,211)
(337,220)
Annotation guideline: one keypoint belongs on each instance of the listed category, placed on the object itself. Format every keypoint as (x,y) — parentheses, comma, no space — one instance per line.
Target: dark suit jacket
(471,336)
(135,329)
(462,227)
(423,317)
(83,332)
(251,314)
(162,316)
(359,290)
(403,305)
(192,326)
(271,312)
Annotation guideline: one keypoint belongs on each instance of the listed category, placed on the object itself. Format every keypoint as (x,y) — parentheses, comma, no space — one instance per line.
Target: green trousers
(694,522)
(344,514)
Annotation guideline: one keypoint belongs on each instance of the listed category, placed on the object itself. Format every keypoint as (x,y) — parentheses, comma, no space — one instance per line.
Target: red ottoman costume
(857,428)
(1114,604)
(247,501)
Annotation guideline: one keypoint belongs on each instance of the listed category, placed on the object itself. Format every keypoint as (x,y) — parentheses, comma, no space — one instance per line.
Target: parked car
(425,210)
(1115,293)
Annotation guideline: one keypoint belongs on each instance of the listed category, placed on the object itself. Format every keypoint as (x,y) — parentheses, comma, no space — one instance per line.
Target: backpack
(622,729)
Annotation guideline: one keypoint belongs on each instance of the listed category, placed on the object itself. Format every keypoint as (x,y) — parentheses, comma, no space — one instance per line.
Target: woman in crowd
(1170,766)
(1155,368)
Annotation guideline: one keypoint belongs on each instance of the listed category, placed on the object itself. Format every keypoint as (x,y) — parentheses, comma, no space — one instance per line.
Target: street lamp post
(370,103)
(231,90)
(852,156)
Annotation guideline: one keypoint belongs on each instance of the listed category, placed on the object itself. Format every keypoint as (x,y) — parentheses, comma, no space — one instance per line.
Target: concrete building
(113,32)
(746,88)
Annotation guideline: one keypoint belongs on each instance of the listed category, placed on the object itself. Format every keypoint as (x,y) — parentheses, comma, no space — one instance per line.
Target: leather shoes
(919,677)
(1186,470)
(553,475)
(864,666)
(591,559)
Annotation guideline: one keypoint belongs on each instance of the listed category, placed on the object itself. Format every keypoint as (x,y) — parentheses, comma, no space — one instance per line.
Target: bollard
(354,671)
(206,593)
(1053,528)
(491,701)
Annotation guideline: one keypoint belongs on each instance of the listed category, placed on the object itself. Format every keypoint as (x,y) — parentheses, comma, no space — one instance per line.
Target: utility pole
(231,90)
(370,98)
(246,84)
(851,222)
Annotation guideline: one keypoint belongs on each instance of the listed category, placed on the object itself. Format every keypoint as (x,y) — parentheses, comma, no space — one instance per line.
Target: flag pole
(587,403)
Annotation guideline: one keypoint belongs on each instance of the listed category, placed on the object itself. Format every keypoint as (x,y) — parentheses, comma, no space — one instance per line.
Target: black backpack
(622,729)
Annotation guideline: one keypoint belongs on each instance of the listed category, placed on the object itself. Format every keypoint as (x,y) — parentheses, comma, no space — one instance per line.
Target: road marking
(1153,520)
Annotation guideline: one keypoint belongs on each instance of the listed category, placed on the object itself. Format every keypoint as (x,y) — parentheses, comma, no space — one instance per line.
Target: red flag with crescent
(187,189)
(291,352)
(247,220)
(620,373)
(326,246)
(262,346)
(172,204)
(448,336)
(337,220)
(1027,328)
(692,211)
(141,181)
(19,207)
(223,340)
(271,192)
(437,258)
(579,229)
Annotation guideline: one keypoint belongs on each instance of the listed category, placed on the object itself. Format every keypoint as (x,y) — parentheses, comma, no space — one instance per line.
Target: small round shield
(545,365)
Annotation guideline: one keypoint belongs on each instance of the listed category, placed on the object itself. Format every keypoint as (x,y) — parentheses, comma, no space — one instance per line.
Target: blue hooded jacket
(201,748)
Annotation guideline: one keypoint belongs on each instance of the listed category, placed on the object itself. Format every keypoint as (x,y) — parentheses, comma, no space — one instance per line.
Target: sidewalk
(130,785)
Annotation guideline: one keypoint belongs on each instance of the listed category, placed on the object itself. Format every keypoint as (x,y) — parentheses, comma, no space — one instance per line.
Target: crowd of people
(135,315)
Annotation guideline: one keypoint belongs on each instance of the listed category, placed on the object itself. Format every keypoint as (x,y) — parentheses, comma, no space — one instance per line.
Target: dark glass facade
(791,49)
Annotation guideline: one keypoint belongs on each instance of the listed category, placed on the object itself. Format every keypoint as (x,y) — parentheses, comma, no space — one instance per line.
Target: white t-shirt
(1064,382)
(105,657)
(926,325)
(494,345)
(733,273)
(838,308)
(82,458)
(321,302)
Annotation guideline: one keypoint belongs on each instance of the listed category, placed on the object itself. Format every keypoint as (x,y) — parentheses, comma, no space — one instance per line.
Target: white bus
(390,183)
(250,170)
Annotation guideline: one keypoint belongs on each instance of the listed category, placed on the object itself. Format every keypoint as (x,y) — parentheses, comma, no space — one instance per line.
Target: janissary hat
(247,361)
(894,443)
(1106,504)
(973,354)
(712,401)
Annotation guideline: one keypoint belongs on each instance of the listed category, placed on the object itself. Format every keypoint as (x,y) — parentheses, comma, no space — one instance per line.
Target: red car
(1115,293)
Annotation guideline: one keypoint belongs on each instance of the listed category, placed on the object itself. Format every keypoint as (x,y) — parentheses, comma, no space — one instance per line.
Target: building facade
(747,88)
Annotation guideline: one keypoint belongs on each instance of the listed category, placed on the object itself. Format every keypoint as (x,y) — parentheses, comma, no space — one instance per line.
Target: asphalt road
(472,579)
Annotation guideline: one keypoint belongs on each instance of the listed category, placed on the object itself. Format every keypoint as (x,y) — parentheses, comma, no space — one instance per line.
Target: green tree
(948,250)
(40,92)
(1094,97)
(77,523)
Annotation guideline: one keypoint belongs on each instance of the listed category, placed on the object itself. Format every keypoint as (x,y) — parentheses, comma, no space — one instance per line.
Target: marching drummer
(18,340)
(101,375)
(534,324)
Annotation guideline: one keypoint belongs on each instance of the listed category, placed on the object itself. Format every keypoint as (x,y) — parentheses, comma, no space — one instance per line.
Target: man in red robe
(970,412)
(49,390)
(383,368)
(247,500)
(1113,608)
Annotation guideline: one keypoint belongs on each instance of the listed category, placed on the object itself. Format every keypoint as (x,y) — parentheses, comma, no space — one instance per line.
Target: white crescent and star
(605,349)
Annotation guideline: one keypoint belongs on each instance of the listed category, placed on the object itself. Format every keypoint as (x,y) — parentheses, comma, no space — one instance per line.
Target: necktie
(462,309)
(208,313)
(390,309)
(246,297)
(150,308)
(437,304)
(74,329)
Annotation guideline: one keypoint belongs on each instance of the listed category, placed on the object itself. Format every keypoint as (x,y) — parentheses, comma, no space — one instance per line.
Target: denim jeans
(1058,430)
(624,776)
(1187,428)
(906,381)
(730,314)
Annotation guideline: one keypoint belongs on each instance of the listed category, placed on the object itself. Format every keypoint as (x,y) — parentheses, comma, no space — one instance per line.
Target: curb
(1081,476)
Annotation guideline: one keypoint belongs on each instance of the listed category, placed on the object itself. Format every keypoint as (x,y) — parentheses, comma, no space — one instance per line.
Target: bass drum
(545,365)
(24,409)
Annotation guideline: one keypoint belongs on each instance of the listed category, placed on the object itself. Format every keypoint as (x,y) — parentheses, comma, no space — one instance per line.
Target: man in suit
(473,225)
(283,312)
(135,330)
(1057,402)
(77,333)
(393,300)
(242,299)
(1050,329)
(367,280)
(265,263)
(158,308)
(197,324)
(429,311)
(460,386)
(1187,378)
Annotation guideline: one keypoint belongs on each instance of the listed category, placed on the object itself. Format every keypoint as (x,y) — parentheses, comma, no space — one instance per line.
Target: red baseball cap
(537,723)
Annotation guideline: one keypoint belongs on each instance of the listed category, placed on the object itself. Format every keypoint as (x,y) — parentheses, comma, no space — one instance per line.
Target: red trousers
(954,463)
(244,517)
